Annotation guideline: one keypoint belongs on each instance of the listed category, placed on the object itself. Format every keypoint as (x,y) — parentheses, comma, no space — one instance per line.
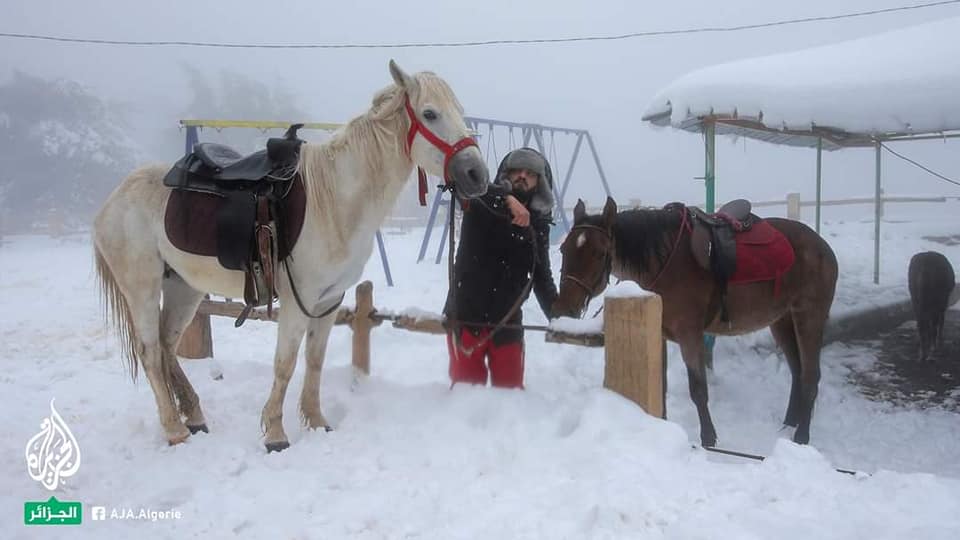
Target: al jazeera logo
(52,456)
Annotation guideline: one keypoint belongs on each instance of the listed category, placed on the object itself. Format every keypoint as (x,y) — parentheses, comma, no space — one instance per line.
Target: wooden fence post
(197,339)
(634,351)
(361,325)
(793,206)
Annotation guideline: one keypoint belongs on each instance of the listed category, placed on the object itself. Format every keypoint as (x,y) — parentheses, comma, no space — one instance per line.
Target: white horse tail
(115,306)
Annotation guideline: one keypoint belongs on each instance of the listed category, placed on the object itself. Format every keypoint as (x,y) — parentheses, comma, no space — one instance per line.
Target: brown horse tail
(115,306)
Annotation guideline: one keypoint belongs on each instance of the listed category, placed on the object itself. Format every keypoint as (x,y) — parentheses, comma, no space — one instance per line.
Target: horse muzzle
(467,170)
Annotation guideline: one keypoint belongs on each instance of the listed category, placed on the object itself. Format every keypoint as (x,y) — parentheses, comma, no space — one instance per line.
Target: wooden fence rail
(634,349)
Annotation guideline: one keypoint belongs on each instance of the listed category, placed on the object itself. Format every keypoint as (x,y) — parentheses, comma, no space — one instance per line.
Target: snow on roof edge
(860,88)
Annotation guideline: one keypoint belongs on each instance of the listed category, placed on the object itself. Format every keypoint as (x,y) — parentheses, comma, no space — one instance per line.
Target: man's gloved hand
(519,212)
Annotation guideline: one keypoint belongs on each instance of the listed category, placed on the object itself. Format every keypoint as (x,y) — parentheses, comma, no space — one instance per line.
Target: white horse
(351,182)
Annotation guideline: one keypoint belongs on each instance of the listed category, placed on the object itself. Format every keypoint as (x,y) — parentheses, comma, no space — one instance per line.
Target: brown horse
(654,249)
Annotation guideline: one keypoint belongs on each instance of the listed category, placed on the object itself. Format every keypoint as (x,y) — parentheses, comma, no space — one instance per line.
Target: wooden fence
(634,349)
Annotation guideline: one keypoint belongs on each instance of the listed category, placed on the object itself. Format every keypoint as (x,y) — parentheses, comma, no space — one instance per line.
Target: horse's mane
(375,137)
(639,236)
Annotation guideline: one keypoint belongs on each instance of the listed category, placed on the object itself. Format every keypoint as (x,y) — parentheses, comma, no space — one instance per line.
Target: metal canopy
(832,138)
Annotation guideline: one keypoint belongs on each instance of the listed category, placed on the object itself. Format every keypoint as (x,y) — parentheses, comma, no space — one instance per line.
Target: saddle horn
(291,134)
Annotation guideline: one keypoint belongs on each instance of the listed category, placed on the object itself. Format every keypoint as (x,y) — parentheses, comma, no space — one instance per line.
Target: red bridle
(449,150)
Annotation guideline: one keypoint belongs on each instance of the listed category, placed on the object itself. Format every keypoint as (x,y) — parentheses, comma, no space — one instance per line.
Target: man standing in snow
(504,245)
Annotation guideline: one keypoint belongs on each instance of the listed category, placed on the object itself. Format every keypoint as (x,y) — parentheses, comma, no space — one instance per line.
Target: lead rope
(759,458)
(502,323)
(451,278)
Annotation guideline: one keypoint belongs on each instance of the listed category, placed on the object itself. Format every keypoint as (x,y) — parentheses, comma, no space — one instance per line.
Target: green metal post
(876,220)
(710,138)
(709,180)
(819,154)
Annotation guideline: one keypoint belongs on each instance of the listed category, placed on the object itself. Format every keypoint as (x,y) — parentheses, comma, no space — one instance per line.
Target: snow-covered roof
(900,83)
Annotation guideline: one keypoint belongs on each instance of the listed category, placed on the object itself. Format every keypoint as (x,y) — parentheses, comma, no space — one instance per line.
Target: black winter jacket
(493,264)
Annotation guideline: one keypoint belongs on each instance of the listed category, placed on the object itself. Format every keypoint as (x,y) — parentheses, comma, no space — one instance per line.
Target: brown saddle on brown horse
(245,210)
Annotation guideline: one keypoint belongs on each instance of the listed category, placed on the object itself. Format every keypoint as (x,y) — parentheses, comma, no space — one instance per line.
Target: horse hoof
(328,429)
(196,429)
(277,446)
(173,441)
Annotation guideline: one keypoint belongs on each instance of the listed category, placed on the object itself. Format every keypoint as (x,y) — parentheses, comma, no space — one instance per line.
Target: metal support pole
(710,138)
(426,233)
(596,159)
(538,138)
(192,139)
(708,341)
(446,230)
(383,258)
(573,161)
(819,156)
(876,220)
(526,137)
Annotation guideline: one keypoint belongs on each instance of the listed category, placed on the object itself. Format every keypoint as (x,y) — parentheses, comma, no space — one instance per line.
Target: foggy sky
(600,86)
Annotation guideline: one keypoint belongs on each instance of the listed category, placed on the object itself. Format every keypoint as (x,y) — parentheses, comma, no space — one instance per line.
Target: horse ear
(579,211)
(403,80)
(609,211)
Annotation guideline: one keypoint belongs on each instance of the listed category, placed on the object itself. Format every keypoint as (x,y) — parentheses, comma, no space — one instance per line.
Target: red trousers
(469,363)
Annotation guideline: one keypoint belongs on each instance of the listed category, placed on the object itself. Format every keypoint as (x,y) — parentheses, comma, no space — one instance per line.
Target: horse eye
(430,114)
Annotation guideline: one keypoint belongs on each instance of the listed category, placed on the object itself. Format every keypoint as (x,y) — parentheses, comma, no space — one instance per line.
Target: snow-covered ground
(412,459)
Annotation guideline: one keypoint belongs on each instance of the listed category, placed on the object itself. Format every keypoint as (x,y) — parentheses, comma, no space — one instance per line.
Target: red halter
(449,150)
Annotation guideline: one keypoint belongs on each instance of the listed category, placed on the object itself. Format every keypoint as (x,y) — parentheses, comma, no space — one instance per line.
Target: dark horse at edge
(643,246)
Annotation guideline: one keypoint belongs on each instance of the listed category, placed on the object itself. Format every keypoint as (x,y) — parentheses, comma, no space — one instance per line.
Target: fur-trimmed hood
(528,158)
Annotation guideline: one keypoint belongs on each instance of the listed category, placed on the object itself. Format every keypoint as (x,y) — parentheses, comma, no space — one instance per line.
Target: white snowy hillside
(412,459)
(905,81)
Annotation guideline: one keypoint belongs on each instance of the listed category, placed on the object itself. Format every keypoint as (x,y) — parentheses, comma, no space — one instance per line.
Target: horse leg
(130,275)
(809,327)
(925,329)
(291,326)
(786,337)
(692,349)
(318,331)
(939,330)
(180,303)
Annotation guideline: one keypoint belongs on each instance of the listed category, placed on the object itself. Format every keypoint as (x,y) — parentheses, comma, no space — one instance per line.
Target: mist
(600,86)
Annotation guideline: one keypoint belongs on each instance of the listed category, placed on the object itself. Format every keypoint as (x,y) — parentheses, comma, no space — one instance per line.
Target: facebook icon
(99,513)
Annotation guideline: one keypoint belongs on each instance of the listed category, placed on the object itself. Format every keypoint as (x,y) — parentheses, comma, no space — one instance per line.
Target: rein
(603,278)
(296,296)
(684,225)
(755,457)
(449,150)
(502,323)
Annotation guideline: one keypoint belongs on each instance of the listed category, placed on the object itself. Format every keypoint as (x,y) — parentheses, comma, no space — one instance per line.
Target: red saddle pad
(763,254)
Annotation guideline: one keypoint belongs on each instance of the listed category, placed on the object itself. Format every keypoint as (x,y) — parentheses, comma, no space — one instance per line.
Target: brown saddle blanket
(191,222)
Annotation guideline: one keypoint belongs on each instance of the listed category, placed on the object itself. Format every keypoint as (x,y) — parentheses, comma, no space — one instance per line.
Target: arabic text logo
(52,512)
(53,454)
